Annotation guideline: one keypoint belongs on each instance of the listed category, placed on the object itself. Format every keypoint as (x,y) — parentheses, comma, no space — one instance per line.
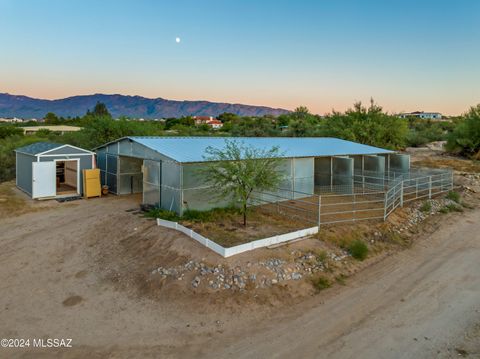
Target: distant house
(215,124)
(421,114)
(11,120)
(201,120)
(208,120)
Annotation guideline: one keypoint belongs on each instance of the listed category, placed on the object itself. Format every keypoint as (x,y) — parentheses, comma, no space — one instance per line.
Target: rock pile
(417,213)
(260,274)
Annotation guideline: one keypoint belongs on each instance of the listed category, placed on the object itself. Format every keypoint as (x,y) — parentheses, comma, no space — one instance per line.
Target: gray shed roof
(192,149)
(38,147)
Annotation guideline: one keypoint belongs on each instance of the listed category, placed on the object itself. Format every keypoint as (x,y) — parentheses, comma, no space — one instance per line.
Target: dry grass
(14,202)
(228,230)
(458,164)
(287,216)
(11,204)
(342,236)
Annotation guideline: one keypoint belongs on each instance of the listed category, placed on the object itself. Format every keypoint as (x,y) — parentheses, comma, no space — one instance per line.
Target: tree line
(367,124)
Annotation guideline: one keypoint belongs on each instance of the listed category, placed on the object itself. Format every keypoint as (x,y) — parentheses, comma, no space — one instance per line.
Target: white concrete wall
(228,252)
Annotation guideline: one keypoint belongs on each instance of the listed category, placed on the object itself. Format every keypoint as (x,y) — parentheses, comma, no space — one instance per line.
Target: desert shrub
(7,154)
(208,216)
(9,130)
(452,207)
(467,205)
(192,215)
(426,207)
(358,249)
(416,139)
(369,125)
(465,138)
(423,131)
(453,196)
(340,279)
(46,133)
(198,216)
(321,282)
(163,214)
(321,256)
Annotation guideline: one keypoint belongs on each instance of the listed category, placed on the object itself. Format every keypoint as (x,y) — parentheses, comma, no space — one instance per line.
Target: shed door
(44,179)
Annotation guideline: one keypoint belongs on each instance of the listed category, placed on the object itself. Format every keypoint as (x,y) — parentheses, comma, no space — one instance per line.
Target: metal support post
(416,188)
(354,200)
(430,187)
(385,206)
(401,194)
(319,210)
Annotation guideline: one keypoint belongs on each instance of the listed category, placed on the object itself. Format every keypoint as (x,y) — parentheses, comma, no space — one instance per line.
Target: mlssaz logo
(52,343)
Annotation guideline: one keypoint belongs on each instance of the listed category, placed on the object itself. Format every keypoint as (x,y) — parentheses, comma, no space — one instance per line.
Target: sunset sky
(408,55)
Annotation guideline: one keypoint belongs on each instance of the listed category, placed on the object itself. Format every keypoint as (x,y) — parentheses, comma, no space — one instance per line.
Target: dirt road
(416,304)
(55,282)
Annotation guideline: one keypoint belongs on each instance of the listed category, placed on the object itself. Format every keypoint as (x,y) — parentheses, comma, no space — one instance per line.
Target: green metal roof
(37,147)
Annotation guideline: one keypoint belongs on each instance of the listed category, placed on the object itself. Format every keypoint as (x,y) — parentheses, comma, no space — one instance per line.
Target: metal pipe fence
(370,196)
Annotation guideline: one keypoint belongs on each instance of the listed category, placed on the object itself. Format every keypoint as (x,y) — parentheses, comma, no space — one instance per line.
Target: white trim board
(78,173)
(66,155)
(63,146)
(231,251)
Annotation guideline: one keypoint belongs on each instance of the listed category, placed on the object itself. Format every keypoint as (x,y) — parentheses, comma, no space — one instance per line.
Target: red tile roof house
(215,124)
(200,120)
(208,120)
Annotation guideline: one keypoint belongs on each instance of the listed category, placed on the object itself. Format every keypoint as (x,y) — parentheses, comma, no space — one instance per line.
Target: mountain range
(121,105)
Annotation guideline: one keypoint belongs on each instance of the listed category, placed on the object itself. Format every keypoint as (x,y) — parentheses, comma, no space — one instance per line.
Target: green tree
(368,125)
(237,170)
(100,130)
(283,120)
(300,113)
(465,138)
(228,117)
(254,127)
(299,128)
(100,110)
(51,119)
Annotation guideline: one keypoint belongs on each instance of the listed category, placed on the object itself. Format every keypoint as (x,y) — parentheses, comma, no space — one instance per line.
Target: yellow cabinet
(91,183)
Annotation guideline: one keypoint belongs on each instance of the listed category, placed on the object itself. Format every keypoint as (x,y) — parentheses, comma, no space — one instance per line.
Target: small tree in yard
(238,170)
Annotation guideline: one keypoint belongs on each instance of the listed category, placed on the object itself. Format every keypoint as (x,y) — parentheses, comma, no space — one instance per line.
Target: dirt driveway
(417,304)
(57,280)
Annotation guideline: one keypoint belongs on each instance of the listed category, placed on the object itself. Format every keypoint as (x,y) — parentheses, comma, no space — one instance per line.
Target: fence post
(401,194)
(319,209)
(416,188)
(385,206)
(429,187)
(354,213)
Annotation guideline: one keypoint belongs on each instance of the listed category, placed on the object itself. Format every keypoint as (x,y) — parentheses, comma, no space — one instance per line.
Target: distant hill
(120,105)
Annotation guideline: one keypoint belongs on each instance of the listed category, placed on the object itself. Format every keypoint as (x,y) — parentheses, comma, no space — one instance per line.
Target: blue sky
(407,55)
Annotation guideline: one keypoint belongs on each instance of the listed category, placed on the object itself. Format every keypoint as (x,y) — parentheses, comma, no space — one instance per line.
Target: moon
(177,40)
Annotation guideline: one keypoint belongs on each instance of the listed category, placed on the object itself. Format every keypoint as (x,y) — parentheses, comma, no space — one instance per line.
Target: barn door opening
(67,177)
(130,175)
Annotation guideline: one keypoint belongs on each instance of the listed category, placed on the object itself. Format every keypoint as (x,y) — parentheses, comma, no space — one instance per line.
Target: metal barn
(165,169)
(51,170)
